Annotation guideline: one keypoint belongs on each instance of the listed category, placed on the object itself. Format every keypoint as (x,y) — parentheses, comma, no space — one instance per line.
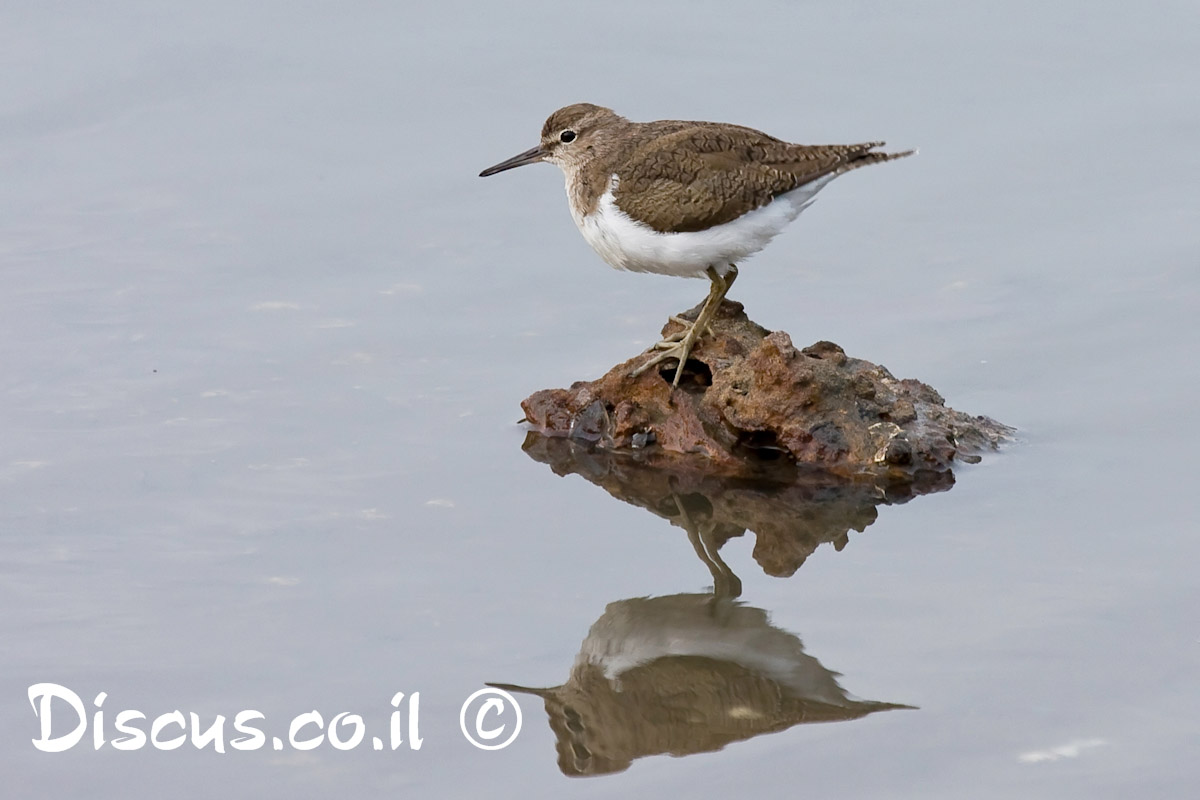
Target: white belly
(628,244)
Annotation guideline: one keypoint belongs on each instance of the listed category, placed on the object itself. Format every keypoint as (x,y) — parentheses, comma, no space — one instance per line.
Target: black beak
(512,687)
(531,156)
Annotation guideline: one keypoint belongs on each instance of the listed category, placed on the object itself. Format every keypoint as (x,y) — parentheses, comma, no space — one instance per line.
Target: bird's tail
(860,155)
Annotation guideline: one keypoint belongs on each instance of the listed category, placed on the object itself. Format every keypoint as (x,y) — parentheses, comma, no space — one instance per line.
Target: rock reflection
(691,673)
(791,511)
(683,674)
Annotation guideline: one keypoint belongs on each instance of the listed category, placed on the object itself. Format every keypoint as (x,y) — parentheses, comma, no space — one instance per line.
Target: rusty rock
(749,395)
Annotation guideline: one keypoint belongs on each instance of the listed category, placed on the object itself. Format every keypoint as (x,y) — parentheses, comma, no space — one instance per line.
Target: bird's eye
(567,136)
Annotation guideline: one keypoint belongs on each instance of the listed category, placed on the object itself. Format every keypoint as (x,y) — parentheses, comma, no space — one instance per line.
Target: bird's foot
(679,345)
(678,349)
(670,350)
(687,328)
(687,325)
(672,339)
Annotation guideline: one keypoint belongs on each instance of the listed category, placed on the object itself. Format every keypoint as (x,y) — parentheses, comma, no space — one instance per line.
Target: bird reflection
(683,674)
(691,673)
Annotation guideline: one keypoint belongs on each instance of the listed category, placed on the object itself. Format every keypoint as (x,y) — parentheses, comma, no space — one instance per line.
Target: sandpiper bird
(683,198)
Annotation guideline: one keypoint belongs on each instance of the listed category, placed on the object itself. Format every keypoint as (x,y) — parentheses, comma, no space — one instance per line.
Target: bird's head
(571,136)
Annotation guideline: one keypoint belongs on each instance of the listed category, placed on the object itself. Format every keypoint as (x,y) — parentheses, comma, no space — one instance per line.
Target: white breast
(628,244)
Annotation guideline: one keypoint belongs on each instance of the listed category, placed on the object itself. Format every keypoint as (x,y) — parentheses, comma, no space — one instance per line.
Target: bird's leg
(670,340)
(680,348)
(702,536)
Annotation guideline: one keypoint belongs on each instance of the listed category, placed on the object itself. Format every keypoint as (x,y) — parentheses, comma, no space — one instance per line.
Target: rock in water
(749,395)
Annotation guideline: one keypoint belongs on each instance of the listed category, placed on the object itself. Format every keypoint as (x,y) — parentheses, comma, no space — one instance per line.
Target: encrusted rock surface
(750,395)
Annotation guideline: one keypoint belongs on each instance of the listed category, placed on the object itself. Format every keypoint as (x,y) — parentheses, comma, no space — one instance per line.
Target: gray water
(265,335)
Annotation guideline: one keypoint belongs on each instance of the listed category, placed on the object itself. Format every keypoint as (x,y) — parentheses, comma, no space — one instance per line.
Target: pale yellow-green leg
(701,535)
(679,345)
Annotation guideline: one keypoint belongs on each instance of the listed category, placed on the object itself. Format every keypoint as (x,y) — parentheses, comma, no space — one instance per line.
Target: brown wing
(702,175)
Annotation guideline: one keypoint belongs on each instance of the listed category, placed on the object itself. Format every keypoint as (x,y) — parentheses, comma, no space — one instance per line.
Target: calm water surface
(265,336)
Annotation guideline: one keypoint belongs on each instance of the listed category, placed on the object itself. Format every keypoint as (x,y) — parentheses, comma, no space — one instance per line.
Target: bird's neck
(585,187)
(588,178)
